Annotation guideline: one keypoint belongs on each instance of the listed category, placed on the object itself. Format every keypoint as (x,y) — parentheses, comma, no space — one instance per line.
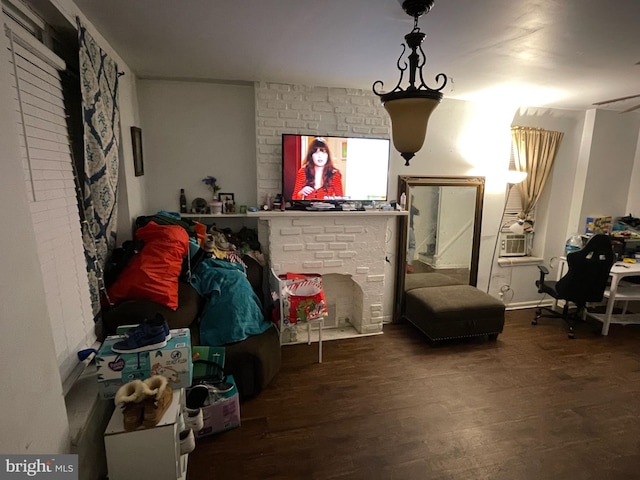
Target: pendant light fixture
(410,108)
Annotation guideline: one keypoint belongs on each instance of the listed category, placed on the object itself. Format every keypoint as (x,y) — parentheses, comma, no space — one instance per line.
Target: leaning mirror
(439,241)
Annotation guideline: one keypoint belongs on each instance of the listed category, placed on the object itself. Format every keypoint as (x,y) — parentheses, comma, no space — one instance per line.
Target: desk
(620,292)
(616,292)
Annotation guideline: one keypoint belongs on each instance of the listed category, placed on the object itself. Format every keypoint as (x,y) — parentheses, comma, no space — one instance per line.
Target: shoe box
(173,361)
(221,411)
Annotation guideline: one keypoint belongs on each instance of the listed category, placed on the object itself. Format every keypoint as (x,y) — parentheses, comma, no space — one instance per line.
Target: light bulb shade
(409,119)
(514,177)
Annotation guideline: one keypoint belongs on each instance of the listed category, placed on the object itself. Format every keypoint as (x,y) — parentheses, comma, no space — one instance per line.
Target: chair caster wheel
(571,335)
(534,321)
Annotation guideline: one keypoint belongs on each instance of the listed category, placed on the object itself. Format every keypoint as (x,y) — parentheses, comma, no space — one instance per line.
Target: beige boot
(130,397)
(158,402)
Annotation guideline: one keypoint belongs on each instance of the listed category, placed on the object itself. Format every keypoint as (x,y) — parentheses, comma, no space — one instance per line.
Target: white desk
(614,293)
(618,292)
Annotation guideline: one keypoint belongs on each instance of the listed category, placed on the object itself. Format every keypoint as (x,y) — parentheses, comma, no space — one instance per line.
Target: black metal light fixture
(411,108)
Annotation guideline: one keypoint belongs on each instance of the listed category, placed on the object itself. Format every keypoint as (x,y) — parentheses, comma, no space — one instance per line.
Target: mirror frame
(405,182)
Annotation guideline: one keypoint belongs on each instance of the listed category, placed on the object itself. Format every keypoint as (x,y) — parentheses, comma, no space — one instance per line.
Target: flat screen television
(350,169)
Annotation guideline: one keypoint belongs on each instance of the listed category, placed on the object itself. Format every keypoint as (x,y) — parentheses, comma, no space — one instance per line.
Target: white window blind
(49,181)
(514,202)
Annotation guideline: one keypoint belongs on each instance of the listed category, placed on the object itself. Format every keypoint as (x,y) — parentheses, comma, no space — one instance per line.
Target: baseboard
(531,304)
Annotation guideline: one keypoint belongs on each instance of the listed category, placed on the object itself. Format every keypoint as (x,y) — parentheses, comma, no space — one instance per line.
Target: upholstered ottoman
(419,280)
(454,311)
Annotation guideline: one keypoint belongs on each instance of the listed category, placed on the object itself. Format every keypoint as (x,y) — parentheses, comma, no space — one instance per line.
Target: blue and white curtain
(101,118)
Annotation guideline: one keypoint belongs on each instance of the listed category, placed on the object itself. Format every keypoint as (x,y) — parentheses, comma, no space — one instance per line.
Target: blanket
(232,311)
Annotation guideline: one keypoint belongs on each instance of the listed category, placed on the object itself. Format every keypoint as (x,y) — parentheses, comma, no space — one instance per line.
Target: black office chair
(585,280)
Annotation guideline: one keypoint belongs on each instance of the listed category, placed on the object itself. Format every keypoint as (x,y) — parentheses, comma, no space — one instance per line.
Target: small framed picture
(136,142)
(228,202)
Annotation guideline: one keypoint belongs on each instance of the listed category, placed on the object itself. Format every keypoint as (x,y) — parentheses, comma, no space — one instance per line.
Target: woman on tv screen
(317,178)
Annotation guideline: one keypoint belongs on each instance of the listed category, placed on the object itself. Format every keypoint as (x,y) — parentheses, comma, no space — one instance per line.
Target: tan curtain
(534,150)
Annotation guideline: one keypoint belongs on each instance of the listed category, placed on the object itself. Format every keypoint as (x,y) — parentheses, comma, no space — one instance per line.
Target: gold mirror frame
(405,184)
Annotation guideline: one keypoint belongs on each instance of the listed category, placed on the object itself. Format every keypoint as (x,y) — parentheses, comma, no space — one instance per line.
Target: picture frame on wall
(136,143)
(228,202)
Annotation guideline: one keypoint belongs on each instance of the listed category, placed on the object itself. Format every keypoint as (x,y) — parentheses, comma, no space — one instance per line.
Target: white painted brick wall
(358,248)
(352,270)
(283,108)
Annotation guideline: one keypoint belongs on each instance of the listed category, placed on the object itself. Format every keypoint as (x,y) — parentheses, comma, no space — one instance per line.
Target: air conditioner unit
(513,245)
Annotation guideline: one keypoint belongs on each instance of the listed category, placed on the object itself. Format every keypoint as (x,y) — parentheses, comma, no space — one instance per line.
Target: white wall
(191,130)
(633,202)
(612,154)
(465,138)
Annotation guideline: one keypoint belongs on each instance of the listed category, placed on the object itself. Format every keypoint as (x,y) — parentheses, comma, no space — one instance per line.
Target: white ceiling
(559,53)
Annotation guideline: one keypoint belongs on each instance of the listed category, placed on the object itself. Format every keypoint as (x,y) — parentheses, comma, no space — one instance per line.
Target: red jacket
(334,189)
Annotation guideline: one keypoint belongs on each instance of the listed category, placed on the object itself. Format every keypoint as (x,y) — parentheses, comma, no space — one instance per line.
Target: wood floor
(532,405)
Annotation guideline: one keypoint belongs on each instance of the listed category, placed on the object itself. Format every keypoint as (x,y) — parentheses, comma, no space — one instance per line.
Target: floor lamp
(513,178)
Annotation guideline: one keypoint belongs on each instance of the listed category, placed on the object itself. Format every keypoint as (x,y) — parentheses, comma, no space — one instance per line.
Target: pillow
(153,273)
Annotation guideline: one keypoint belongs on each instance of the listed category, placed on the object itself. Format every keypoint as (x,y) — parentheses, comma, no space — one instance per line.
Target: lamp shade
(409,119)
(514,177)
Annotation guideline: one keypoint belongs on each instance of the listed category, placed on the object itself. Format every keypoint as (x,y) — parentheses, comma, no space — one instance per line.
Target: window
(41,126)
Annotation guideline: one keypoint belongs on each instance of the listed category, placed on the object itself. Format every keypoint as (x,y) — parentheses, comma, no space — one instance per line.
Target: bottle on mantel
(183,201)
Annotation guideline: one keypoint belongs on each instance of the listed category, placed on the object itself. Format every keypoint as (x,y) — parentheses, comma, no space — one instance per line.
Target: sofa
(253,362)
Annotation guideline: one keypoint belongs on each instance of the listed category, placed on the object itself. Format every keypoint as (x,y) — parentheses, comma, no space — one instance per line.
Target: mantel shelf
(213,215)
(298,213)
(325,213)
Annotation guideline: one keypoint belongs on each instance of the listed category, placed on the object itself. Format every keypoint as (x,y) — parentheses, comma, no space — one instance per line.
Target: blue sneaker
(165,327)
(141,339)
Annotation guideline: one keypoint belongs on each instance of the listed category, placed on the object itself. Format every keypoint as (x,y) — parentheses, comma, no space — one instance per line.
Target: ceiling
(556,53)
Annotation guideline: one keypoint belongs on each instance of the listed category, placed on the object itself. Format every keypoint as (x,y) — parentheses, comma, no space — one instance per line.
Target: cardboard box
(597,225)
(223,413)
(172,361)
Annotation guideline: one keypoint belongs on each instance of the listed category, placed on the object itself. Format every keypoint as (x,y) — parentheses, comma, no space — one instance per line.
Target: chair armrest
(543,271)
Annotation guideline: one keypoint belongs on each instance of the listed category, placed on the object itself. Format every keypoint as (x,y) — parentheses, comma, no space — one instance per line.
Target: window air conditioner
(513,245)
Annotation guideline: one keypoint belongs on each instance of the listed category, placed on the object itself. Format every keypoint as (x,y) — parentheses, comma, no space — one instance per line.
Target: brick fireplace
(347,248)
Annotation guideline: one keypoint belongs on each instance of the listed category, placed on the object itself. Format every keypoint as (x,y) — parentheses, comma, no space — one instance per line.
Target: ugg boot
(158,402)
(131,397)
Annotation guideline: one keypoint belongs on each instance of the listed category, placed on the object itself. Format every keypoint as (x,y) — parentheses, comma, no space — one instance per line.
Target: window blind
(49,181)
(514,202)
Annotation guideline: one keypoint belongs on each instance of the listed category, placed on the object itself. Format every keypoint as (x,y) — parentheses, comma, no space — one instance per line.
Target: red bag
(153,273)
(303,296)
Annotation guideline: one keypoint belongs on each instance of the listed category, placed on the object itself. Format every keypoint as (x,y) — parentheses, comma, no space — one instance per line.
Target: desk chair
(585,280)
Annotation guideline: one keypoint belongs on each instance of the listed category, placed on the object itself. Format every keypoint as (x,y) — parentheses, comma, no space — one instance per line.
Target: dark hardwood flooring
(532,405)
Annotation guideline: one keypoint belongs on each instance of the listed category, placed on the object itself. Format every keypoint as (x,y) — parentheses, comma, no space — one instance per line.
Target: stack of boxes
(173,361)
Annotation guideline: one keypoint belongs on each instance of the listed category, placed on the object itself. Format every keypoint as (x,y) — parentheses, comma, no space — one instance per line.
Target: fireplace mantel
(318,214)
(351,244)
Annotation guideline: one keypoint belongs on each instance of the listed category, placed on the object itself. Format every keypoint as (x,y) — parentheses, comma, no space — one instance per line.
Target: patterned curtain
(101,119)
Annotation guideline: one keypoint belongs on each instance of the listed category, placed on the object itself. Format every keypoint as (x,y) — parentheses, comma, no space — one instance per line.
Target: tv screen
(334,168)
